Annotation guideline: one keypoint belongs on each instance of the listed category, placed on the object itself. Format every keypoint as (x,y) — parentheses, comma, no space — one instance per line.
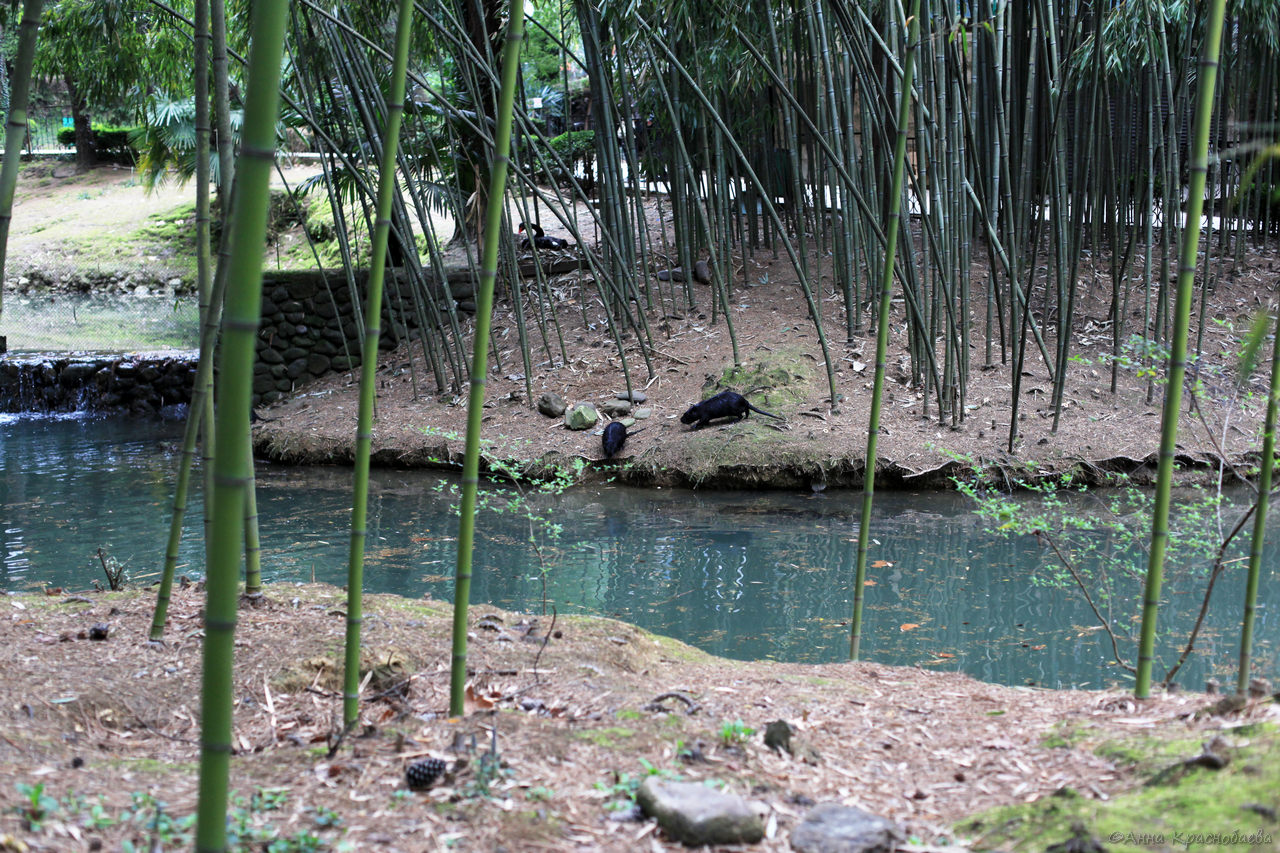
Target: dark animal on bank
(539,239)
(726,404)
(615,435)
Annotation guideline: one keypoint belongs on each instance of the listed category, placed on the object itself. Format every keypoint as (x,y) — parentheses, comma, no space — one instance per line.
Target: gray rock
(317,364)
(833,828)
(551,404)
(676,274)
(582,416)
(641,414)
(633,396)
(77,373)
(696,814)
(615,408)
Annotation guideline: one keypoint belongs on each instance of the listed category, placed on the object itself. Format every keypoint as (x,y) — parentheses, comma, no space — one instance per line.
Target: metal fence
(57,322)
(43,123)
(131,317)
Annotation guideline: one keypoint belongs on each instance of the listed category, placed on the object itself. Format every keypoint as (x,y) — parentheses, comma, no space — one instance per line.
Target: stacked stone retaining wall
(308,329)
(309,326)
(140,384)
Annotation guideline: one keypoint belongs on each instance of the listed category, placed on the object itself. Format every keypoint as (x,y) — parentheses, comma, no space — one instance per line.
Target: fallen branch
(691,707)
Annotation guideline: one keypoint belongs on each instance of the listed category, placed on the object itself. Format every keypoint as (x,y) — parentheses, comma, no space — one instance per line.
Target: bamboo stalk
(479,364)
(882,325)
(387,186)
(1178,343)
(231,468)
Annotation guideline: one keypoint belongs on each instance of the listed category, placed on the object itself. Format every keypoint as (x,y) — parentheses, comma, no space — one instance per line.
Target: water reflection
(746,575)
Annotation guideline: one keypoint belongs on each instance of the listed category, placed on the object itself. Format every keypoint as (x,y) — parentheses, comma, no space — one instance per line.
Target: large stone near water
(833,828)
(582,416)
(696,814)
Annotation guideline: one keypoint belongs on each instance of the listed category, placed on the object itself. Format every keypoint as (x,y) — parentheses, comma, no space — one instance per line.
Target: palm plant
(166,141)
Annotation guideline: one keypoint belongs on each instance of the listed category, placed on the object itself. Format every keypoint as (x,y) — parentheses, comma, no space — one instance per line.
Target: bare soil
(572,707)
(1097,432)
(568,706)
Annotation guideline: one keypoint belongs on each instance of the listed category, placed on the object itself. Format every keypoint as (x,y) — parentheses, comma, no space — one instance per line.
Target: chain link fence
(58,322)
(130,300)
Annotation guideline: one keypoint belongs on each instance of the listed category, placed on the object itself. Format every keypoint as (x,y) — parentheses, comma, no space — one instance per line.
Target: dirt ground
(573,724)
(816,444)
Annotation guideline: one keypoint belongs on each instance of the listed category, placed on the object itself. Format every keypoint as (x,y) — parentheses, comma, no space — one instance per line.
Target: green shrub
(111,142)
(574,145)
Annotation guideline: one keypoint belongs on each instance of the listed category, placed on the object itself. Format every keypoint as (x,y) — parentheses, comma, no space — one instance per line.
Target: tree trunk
(86,153)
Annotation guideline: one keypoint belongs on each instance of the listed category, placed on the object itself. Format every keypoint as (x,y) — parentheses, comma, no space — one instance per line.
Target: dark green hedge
(111,143)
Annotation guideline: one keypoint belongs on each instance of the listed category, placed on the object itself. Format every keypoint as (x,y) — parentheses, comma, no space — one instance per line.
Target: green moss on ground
(1177,805)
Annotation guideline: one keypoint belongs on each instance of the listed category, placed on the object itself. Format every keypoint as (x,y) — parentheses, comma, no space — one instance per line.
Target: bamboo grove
(1031,140)
(1040,136)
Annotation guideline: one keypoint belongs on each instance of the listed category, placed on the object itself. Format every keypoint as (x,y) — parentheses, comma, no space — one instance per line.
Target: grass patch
(1179,805)
(606,737)
(104,323)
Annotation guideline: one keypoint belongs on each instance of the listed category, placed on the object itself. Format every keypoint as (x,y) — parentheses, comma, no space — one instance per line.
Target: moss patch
(610,736)
(1179,805)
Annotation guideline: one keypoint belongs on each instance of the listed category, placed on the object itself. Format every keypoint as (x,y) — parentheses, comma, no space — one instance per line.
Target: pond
(746,575)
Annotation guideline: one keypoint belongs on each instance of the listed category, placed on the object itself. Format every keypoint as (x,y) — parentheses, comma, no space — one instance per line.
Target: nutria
(726,404)
(615,435)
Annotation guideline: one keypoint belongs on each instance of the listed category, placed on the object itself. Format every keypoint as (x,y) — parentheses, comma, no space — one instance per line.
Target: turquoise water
(741,574)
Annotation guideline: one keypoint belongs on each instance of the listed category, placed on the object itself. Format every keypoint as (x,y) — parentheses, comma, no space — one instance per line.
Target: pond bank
(572,708)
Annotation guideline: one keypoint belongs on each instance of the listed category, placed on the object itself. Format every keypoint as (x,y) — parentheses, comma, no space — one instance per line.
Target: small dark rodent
(726,404)
(615,435)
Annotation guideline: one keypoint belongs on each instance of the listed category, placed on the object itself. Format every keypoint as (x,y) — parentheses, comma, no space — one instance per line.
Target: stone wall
(308,329)
(141,384)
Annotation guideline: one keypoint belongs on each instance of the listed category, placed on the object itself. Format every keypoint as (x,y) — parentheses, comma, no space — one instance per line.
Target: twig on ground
(691,707)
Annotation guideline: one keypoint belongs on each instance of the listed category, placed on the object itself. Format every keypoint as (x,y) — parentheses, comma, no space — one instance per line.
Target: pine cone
(423,774)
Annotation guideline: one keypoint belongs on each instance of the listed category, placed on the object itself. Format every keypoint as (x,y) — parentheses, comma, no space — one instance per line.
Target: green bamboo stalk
(369,366)
(252,544)
(231,455)
(16,127)
(882,322)
(1178,345)
(204,287)
(222,104)
(479,363)
(1265,468)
